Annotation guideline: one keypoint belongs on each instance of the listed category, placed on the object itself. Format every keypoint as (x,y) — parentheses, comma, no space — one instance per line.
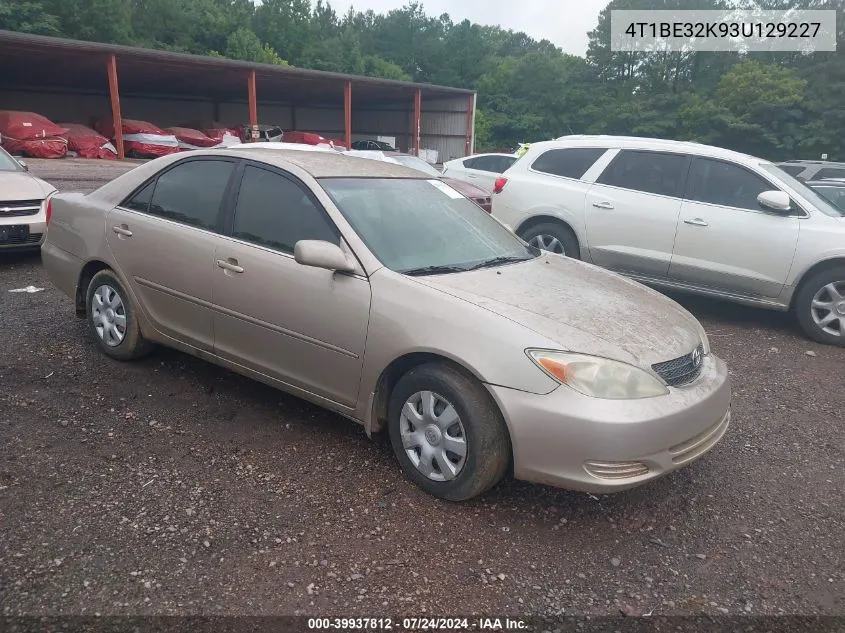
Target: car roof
(330,164)
(645,143)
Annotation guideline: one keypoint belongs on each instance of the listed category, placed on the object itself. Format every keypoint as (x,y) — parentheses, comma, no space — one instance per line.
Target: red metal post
(470,122)
(117,119)
(417,117)
(347,113)
(253,102)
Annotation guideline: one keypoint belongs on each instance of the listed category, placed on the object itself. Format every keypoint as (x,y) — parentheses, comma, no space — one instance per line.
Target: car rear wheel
(820,306)
(554,238)
(447,432)
(111,318)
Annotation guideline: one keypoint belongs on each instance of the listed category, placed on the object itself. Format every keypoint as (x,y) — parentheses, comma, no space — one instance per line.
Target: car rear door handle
(602,205)
(231,265)
(122,231)
(696,222)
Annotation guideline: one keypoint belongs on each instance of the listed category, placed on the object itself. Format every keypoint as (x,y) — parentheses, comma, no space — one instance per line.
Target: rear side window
(829,172)
(192,192)
(276,212)
(727,185)
(572,162)
(649,172)
(493,164)
(141,200)
(792,170)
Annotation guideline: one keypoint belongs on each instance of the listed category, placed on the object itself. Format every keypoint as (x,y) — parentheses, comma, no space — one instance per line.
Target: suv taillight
(49,210)
(499,185)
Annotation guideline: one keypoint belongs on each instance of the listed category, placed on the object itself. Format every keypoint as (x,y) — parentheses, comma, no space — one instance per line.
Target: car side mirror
(23,164)
(320,254)
(777,201)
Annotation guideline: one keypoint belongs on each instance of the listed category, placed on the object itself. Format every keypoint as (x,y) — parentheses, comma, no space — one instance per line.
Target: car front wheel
(447,432)
(820,306)
(111,318)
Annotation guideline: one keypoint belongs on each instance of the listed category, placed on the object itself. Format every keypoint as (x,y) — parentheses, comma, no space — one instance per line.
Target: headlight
(598,377)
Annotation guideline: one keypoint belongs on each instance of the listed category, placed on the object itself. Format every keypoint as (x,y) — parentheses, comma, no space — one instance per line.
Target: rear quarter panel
(75,236)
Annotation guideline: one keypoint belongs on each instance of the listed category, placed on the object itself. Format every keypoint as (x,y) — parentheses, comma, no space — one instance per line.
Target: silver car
(388,297)
(23,205)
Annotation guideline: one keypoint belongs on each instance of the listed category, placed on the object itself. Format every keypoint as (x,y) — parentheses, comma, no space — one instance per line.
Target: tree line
(779,106)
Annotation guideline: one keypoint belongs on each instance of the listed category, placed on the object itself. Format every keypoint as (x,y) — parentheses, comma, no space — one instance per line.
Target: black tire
(133,344)
(488,448)
(804,300)
(562,233)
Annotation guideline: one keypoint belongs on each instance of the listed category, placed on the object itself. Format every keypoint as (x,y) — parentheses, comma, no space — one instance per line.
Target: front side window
(829,172)
(649,172)
(423,226)
(572,162)
(192,192)
(276,212)
(724,184)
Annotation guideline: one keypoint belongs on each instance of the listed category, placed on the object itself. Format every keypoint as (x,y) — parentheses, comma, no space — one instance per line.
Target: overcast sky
(564,22)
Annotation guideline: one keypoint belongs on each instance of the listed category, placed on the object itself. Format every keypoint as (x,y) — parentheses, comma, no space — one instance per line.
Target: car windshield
(420,227)
(417,163)
(7,163)
(819,201)
(833,194)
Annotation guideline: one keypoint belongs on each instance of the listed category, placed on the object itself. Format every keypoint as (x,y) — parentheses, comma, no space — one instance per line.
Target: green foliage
(777,105)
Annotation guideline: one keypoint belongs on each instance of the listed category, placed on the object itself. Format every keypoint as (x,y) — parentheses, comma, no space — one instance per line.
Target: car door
(632,211)
(725,239)
(163,239)
(303,326)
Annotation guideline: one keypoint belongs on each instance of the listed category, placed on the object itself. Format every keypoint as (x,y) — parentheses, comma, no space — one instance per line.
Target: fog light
(616,470)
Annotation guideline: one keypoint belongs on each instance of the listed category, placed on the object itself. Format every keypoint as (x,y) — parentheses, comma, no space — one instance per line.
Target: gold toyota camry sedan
(386,296)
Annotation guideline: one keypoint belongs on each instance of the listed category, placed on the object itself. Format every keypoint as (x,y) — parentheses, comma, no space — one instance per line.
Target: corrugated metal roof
(50,61)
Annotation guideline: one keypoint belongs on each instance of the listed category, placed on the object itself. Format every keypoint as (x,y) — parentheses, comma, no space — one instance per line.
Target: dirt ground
(169,486)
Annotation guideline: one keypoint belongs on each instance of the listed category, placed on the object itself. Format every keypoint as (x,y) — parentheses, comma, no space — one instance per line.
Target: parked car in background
(266,133)
(479,196)
(377,292)
(813,169)
(684,216)
(832,190)
(379,146)
(24,205)
(481,170)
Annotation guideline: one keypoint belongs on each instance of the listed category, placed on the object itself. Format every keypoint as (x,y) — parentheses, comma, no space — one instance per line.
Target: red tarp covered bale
(32,135)
(88,143)
(140,138)
(191,139)
(223,134)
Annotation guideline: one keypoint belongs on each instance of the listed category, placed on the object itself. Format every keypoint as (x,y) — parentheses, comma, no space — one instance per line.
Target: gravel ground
(169,486)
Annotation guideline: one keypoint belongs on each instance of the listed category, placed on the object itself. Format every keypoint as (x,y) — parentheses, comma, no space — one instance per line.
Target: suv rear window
(572,162)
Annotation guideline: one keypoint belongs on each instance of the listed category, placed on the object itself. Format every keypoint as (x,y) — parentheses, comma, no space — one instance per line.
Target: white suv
(684,216)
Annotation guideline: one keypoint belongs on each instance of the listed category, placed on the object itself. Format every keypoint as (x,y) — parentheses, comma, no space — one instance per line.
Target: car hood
(467,189)
(19,185)
(580,307)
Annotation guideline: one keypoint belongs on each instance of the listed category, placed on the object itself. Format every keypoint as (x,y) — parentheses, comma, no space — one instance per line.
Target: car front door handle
(696,222)
(231,265)
(122,231)
(602,205)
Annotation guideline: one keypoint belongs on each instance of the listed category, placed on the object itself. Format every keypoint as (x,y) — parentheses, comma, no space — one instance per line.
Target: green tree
(28,17)
(244,44)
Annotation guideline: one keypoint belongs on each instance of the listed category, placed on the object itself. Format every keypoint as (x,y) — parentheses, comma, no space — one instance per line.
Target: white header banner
(739,31)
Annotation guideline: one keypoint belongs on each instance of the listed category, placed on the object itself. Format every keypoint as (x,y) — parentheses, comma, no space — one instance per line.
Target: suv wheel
(820,306)
(554,238)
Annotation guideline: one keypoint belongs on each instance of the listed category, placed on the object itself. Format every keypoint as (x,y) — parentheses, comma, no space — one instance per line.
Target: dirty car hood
(581,307)
(19,185)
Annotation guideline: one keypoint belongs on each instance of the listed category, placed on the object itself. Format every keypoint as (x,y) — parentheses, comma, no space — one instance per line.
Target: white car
(481,170)
(24,205)
(684,216)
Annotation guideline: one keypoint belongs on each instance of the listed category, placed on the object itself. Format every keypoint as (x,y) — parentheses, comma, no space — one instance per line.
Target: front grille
(32,238)
(19,208)
(683,370)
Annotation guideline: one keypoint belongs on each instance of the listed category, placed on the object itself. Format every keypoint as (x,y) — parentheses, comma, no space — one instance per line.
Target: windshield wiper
(433,270)
(496,261)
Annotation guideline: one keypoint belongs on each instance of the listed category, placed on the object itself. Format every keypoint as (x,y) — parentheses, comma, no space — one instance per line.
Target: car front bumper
(569,440)
(37,230)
